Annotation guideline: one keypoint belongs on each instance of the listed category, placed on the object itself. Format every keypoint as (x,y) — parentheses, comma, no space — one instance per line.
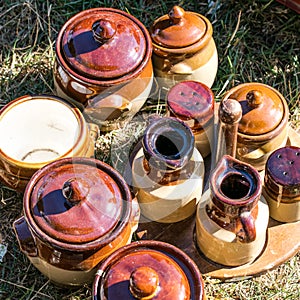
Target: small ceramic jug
(263,124)
(183,48)
(77,211)
(232,219)
(168,171)
(103,64)
(282,184)
(193,102)
(148,270)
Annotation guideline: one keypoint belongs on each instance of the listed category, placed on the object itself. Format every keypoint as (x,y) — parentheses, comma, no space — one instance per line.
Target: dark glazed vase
(232,221)
(282,184)
(168,171)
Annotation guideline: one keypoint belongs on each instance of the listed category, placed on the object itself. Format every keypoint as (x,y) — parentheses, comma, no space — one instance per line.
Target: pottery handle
(248,233)
(103,30)
(75,190)
(25,238)
(94,131)
(176,14)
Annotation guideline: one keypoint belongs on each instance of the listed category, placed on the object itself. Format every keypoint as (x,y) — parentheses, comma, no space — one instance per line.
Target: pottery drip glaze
(168,171)
(263,126)
(183,48)
(148,270)
(193,103)
(103,64)
(76,212)
(282,184)
(232,218)
(36,130)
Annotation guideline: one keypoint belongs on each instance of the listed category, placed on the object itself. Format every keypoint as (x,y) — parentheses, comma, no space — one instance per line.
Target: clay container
(193,102)
(148,270)
(264,122)
(232,219)
(168,171)
(77,211)
(183,48)
(103,64)
(282,184)
(36,130)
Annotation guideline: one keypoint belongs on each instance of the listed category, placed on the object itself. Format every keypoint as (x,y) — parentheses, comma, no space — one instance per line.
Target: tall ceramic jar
(282,184)
(168,171)
(77,211)
(193,102)
(263,124)
(232,218)
(148,270)
(103,64)
(35,130)
(183,48)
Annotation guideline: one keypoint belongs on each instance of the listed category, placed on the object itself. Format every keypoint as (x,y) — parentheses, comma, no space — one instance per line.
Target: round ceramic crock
(183,48)
(103,63)
(282,184)
(148,270)
(232,218)
(36,130)
(77,211)
(168,171)
(193,102)
(263,126)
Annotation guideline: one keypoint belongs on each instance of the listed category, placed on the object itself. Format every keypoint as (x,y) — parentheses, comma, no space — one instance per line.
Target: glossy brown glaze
(148,270)
(236,189)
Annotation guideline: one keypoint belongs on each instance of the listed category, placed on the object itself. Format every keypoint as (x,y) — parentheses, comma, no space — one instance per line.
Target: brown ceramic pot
(148,270)
(232,219)
(36,130)
(193,102)
(77,211)
(282,184)
(103,63)
(264,122)
(183,48)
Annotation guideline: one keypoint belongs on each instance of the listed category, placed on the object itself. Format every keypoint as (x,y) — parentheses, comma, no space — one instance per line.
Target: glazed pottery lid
(180,29)
(189,100)
(263,108)
(103,43)
(76,200)
(282,174)
(148,270)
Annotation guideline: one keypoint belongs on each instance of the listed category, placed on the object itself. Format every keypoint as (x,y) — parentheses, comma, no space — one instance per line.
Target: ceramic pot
(148,270)
(282,184)
(193,102)
(232,218)
(36,130)
(183,48)
(168,171)
(77,211)
(264,122)
(103,63)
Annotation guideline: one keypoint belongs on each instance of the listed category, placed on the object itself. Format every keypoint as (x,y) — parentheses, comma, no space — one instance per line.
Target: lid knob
(75,190)
(103,30)
(176,14)
(143,283)
(254,98)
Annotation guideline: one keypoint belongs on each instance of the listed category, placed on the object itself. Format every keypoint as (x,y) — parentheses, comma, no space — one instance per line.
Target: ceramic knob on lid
(282,184)
(193,102)
(148,270)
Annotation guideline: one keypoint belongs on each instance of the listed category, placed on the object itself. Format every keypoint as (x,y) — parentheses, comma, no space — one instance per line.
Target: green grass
(256,41)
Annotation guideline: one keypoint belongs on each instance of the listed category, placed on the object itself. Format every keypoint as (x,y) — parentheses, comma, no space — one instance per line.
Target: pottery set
(103,64)
(36,130)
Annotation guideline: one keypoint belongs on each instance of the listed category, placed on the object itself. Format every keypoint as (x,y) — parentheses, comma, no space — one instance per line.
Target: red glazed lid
(180,29)
(76,200)
(148,270)
(191,100)
(103,43)
(263,107)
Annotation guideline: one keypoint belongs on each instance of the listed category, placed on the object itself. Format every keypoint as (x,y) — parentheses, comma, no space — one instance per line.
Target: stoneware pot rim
(103,240)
